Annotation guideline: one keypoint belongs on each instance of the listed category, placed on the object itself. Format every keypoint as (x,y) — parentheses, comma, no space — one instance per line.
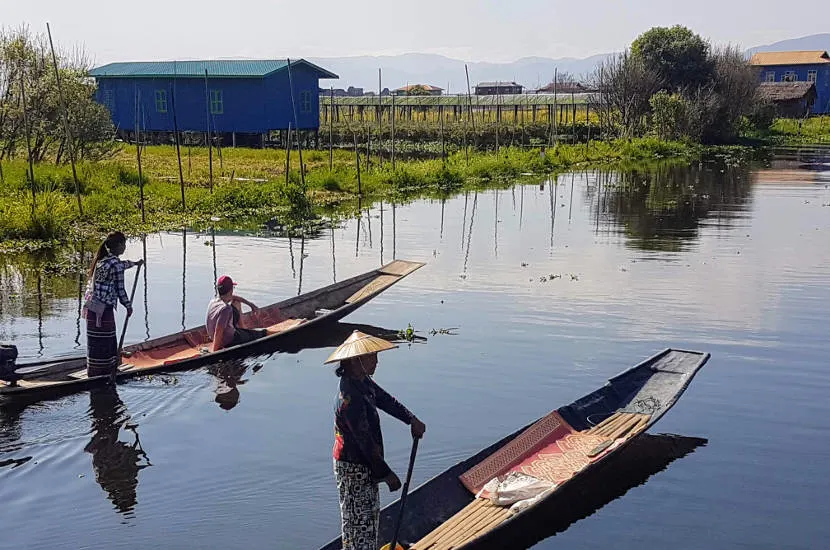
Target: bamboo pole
(573,117)
(70,146)
(176,136)
(357,163)
(288,153)
(296,125)
(472,121)
(393,132)
(379,115)
(138,155)
(31,173)
(457,518)
(331,128)
(209,137)
(441,126)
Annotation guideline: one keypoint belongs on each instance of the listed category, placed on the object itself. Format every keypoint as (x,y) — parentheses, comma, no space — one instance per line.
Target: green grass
(111,195)
(789,131)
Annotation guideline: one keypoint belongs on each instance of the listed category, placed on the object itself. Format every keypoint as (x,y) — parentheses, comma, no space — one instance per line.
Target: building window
(789,76)
(305,102)
(109,101)
(217,104)
(812,76)
(161,101)
(770,76)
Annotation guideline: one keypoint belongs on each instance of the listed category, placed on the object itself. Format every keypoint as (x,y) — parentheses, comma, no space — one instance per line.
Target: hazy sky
(470,30)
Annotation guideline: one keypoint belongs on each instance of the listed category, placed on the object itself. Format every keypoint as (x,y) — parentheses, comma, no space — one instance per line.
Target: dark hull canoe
(434,518)
(283,321)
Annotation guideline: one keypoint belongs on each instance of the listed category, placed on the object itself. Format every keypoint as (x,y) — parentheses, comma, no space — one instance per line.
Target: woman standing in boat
(104,290)
(359,465)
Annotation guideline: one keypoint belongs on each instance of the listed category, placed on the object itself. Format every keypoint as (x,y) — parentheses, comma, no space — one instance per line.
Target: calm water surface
(551,288)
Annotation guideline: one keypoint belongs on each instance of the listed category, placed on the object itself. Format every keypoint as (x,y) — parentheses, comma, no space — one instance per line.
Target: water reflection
(229,377)
(662,208)
(116,463)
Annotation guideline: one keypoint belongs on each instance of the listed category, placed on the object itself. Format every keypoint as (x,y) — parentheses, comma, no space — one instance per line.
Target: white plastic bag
(514,487)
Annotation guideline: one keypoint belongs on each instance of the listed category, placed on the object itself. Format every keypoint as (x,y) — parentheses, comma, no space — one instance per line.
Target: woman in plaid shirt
(104,290)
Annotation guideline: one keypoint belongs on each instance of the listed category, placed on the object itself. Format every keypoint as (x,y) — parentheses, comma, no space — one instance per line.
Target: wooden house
(498,88)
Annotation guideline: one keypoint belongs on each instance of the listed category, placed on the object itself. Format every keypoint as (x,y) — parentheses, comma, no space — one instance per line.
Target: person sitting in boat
(223,314)
(104,290)
(359,465)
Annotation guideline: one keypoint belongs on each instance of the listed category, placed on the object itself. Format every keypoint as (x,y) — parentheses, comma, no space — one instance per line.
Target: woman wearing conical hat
(358,443)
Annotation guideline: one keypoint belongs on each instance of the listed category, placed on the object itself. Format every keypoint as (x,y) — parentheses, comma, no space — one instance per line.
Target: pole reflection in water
(521,205)
(39,314)
(184,276)
(302,257)
(146,301)
(552,187)
(369,222)
(213,252)
(81,285)
(115,462)
(441,232)
(333,257)
(470,234)
(381,232)
(291,253)
(571,203)
(464,219)
(496,225)
(357,223)
(394,237)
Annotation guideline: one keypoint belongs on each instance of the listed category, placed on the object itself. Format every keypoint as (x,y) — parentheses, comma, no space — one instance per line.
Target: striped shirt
(107,284)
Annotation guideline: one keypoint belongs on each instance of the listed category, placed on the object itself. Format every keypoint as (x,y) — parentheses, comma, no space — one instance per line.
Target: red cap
(224,284)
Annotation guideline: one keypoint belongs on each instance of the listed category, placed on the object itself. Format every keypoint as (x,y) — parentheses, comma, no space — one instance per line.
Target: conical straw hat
(357,344)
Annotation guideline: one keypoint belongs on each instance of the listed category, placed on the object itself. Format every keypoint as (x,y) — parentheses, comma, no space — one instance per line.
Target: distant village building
(811,67)
(418,89)
(239,96)
(351,91)
(498,88)
(791,99)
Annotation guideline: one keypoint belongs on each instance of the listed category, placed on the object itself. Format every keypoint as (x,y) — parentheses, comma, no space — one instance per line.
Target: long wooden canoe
(568,447)
(189,349)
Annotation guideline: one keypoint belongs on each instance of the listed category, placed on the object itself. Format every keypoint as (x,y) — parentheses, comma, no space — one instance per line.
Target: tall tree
(678,56)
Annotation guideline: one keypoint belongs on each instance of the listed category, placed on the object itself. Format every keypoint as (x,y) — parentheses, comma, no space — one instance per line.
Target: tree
(26,56)
(625,86)
(679,56)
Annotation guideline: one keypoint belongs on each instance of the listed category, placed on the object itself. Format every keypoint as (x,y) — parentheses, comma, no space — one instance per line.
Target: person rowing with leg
(359,464)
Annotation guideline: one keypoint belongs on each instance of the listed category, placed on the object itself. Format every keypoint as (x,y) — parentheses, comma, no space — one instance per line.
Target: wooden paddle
(394,544)
(127,319)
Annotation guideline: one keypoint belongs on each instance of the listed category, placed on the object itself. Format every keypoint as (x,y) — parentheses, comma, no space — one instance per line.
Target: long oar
(394,544)
(127,319)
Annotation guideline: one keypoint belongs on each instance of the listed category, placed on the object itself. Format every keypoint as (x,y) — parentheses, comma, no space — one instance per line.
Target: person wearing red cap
(223,314)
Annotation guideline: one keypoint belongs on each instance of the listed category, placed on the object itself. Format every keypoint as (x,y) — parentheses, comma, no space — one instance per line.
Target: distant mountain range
(447,73)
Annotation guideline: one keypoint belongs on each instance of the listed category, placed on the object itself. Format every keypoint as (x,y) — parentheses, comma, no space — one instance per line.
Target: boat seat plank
(373,287)
(162,356)
(401,268)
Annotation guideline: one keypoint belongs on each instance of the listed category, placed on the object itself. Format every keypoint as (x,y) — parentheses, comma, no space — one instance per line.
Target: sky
(480,30)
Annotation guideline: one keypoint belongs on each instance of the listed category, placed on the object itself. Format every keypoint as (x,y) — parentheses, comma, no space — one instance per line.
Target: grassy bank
(790,131)
(251,182)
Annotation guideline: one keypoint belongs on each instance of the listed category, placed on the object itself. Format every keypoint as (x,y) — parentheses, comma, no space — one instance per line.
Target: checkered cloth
(107,284)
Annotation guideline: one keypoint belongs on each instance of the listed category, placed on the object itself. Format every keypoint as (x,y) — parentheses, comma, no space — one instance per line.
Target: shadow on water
(642,458)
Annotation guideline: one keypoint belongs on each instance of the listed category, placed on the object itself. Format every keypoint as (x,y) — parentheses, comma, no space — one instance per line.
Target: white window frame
(770,76)
(789,76)
(812,76)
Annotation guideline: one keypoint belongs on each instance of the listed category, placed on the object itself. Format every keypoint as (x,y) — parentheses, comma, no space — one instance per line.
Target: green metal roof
(236,68)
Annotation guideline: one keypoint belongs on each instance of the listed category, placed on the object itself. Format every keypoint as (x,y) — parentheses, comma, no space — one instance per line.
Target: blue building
(800,66)
(239,96)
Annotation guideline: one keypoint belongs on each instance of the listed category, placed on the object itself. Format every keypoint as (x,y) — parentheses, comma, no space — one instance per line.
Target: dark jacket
(357,435)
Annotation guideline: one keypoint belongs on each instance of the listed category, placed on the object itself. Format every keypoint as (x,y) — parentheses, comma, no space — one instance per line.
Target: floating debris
(447,331)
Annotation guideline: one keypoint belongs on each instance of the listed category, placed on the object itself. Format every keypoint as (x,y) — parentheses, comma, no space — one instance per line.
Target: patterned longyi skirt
(101,343)
(359,505)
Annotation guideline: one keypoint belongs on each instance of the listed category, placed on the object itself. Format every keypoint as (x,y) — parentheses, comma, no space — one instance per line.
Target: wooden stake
(441,126)
(379,115)
(31,173)
(393,132)
(138,155)
(288,154)
(331,128)
(357,163)
(176,136)
(70,146)
(209,137)
(296,125)
(472,121)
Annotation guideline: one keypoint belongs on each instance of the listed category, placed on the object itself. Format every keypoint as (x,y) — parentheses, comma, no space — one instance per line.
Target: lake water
(551,288)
